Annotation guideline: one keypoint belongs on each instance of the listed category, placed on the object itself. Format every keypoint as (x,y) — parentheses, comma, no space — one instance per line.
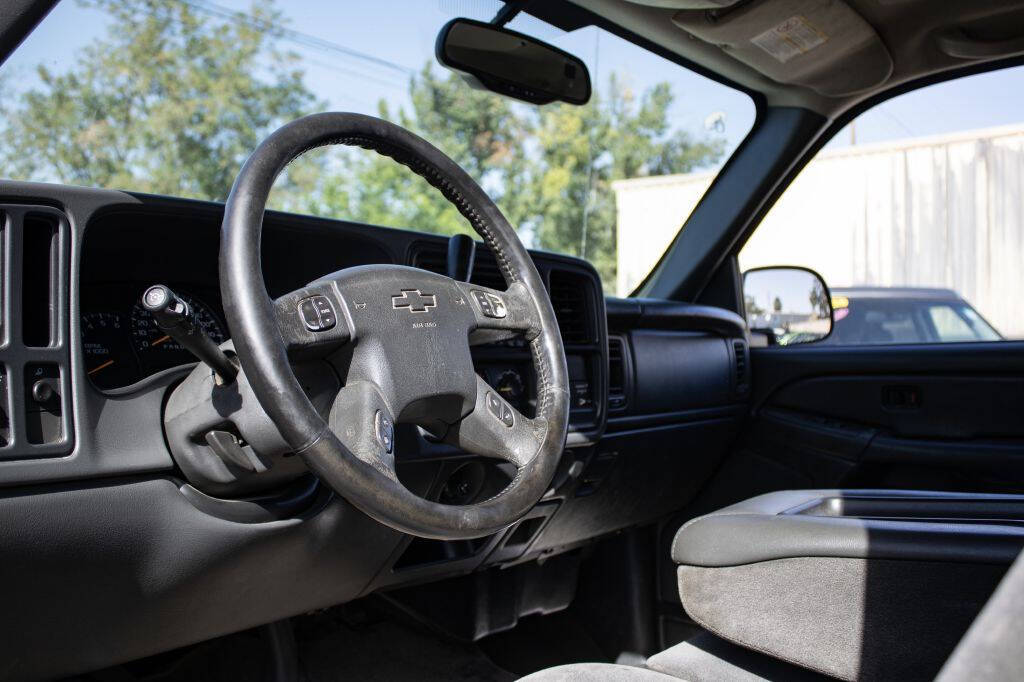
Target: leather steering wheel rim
(263,352)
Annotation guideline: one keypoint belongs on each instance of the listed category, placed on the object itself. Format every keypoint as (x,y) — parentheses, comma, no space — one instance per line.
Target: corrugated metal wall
(937,212)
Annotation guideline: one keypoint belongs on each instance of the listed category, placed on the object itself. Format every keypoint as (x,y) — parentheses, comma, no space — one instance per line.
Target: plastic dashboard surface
(142,562)
(115,367)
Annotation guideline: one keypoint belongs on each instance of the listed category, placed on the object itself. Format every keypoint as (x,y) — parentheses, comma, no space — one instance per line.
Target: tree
(480,131)
(821,306)
(548,168)
(614,136)
(171,102)
(752,308)
(167,102)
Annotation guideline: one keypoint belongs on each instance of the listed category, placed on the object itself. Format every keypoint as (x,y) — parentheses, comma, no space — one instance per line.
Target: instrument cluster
(122,344)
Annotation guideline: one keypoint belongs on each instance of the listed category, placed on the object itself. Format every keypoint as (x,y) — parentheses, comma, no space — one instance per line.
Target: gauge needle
(165,337)
(108,363)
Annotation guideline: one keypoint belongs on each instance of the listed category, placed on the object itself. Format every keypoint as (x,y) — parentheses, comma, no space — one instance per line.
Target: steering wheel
(403,336)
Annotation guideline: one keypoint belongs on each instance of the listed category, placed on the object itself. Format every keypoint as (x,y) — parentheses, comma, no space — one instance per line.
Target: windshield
(169,96)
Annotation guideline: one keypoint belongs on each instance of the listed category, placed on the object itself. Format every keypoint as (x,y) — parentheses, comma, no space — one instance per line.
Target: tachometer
(108,356)
(158,351)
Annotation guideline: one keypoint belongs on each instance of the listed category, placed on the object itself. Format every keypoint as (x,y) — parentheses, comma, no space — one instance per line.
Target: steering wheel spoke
(499,315)
(496,429)
(362,421)
(313,319)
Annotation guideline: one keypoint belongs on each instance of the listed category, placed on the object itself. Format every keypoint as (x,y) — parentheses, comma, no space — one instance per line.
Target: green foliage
(171,102)
(548,168)
(167,102)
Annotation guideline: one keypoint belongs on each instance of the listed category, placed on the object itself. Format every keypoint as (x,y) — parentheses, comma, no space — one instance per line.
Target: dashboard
(122,346)
(658,392)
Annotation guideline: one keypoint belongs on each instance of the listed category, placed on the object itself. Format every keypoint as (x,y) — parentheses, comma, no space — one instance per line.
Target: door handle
(901,397)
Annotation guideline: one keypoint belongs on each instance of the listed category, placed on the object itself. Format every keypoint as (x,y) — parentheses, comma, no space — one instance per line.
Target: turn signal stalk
(174,315)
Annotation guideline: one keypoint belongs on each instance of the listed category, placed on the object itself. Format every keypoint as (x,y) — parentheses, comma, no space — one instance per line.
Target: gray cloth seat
(856,584)
(702,658)
(853,584)
(593,672)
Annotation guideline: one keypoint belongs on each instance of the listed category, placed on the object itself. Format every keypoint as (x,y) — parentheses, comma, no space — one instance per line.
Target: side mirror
(511,63)
(786,305)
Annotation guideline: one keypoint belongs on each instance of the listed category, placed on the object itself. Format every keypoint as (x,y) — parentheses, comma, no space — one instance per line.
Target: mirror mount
(511,63)
(508,12)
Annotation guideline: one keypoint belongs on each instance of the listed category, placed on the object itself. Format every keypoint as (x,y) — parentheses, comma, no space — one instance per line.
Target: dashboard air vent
(39,279)
(742,371)
(430,259)
(569,299)
(616,374)
(485,268)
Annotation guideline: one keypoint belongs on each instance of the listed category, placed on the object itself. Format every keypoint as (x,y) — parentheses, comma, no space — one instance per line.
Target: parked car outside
(879,315)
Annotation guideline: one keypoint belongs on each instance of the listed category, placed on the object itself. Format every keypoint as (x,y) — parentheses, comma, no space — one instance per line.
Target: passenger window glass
(913,216)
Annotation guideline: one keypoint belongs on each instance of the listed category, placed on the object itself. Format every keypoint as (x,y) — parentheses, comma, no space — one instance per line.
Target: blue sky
(980,101)
(402,32)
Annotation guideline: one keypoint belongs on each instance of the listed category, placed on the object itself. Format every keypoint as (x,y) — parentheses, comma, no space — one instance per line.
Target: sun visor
(821,44)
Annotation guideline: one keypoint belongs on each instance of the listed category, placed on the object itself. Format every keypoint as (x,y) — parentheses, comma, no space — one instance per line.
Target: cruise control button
(499,409)
(317,313)
(309,315)
(497,305)
(493,404)
(491,305)
(385,430)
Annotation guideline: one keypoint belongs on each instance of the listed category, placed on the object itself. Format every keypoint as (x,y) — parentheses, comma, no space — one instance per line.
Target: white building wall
(939,212)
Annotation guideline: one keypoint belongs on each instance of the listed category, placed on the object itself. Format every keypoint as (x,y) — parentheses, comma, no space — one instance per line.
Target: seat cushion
(855,584)
(593,672)
(855,524)
(706,658)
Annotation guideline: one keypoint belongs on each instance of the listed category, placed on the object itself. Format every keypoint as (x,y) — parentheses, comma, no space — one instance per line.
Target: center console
(856,584)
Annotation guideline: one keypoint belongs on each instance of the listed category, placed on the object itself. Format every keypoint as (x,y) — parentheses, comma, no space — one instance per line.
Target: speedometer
(108,358)
(156,350)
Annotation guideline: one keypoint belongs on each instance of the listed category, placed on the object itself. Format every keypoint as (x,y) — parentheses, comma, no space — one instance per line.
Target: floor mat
(342,645)
(539,642)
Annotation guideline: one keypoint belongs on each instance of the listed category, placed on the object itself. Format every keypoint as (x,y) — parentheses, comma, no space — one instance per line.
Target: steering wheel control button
(317,313)
(499,409)
(490,304)
(385,430)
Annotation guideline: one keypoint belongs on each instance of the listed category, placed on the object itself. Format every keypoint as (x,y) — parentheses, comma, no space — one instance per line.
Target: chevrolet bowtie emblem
(415,301)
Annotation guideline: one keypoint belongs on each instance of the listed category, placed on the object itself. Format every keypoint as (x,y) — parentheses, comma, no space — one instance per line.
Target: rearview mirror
(511,63)
(786,305)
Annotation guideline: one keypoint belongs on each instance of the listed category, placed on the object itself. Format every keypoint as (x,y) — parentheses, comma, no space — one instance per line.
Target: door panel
(843,416)
(914,416)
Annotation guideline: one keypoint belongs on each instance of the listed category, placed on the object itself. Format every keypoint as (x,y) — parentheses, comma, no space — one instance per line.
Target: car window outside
(914,218)
(170,96)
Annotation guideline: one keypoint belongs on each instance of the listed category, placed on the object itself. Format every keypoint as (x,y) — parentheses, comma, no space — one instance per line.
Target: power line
(897,120)
(298,37)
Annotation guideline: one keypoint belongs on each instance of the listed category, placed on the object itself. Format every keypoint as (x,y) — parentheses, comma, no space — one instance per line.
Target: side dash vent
(742,365)
(616,374)
(569,297)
